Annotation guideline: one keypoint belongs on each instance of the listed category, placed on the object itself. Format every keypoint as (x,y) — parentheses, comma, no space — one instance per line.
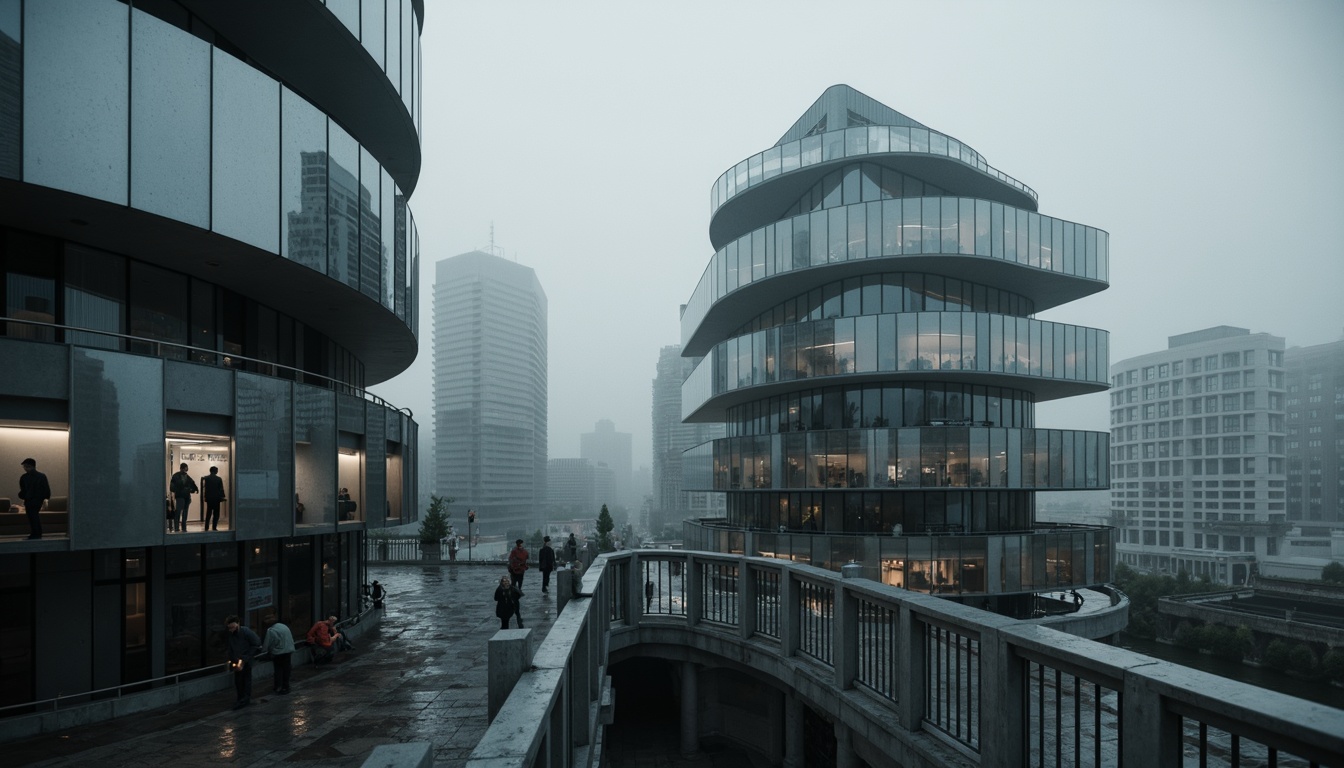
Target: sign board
(259,593)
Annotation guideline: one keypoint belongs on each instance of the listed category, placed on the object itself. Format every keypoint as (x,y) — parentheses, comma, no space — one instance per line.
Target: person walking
(546,563)
(507,602)
(279,643)
(182,486)
(34,490)
(212,493)
(243,644)
(518,564)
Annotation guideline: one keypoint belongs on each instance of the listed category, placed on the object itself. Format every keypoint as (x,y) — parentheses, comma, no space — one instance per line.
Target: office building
(1197,454)
(671,437)
(1315,438)
(207,256)
(604,445)
(868,333)
(490,389)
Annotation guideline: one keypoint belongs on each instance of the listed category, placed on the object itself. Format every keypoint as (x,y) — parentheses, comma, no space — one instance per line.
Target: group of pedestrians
(510,590)
(244,647)
(181,486)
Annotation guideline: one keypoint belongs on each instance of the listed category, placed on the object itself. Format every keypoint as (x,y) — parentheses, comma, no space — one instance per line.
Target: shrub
(1334,572)
(1332,665)
(1301,660)
(1277,655)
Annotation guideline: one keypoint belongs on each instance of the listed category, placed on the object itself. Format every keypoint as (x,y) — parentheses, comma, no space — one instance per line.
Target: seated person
(326,641)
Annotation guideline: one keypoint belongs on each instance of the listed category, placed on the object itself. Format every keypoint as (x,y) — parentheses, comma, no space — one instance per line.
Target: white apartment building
(1197,454)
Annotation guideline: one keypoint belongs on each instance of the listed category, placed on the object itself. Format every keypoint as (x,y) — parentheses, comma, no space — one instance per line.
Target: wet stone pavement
(419,676)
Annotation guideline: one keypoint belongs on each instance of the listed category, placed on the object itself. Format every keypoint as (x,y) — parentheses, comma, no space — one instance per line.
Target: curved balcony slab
(384,342)
(1050,360)
(1048,260)
(741,199)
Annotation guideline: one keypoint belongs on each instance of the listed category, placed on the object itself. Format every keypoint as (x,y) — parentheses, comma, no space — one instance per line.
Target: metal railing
(114,692)
(201,356)
(99,695)
(975,685)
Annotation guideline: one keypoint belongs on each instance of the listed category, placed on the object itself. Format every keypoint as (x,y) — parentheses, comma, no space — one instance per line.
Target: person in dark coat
(571,549)
(243,644)
(212,493)
(182,486)
(506,603)
(34,490)
(378,594)
(546,563)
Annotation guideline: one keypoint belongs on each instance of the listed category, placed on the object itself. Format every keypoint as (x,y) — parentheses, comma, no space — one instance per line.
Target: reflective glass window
(170,121)
(158,311)
(348,13)
(388,249)
(75,97)
(303,182)
(245,188)
(11,71)
(371,28)
(95,295)
(370,225)
(932,225)
(343,206)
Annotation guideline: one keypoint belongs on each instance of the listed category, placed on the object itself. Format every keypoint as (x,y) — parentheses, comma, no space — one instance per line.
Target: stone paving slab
(419,676)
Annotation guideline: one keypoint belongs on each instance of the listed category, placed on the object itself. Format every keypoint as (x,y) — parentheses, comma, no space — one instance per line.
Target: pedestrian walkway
(420,676)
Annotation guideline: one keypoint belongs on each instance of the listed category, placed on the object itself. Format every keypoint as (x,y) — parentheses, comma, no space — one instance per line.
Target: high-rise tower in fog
(672,436)
(604,445)
(490,389)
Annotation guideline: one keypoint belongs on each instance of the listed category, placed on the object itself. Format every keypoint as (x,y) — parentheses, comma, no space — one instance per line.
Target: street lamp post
(471,521)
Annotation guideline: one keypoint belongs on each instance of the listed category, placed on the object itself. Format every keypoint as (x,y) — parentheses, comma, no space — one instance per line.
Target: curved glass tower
(869,334)
(206,256)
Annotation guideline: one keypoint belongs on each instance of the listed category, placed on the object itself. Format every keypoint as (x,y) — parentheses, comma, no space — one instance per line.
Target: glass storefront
(950,565)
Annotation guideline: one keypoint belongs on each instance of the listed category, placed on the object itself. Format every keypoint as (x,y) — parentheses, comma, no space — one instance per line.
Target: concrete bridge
(760,647)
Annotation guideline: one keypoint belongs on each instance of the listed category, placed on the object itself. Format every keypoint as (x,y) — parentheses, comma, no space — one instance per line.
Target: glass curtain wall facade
(873,350)
(206,256)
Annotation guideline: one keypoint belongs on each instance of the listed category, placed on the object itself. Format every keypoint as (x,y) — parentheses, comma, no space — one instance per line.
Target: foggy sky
(1206,137)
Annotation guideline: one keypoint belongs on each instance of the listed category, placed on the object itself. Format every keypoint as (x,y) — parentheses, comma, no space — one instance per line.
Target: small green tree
(435,525)
(604,527)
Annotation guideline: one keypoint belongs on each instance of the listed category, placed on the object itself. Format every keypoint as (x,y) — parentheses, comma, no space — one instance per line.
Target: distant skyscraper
(490,389)
(1197,454)
(578,487)
(1315,446)
(670,437)
(604,445)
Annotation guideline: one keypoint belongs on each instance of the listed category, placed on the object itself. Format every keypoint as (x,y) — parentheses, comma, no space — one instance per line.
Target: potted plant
(434,527)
